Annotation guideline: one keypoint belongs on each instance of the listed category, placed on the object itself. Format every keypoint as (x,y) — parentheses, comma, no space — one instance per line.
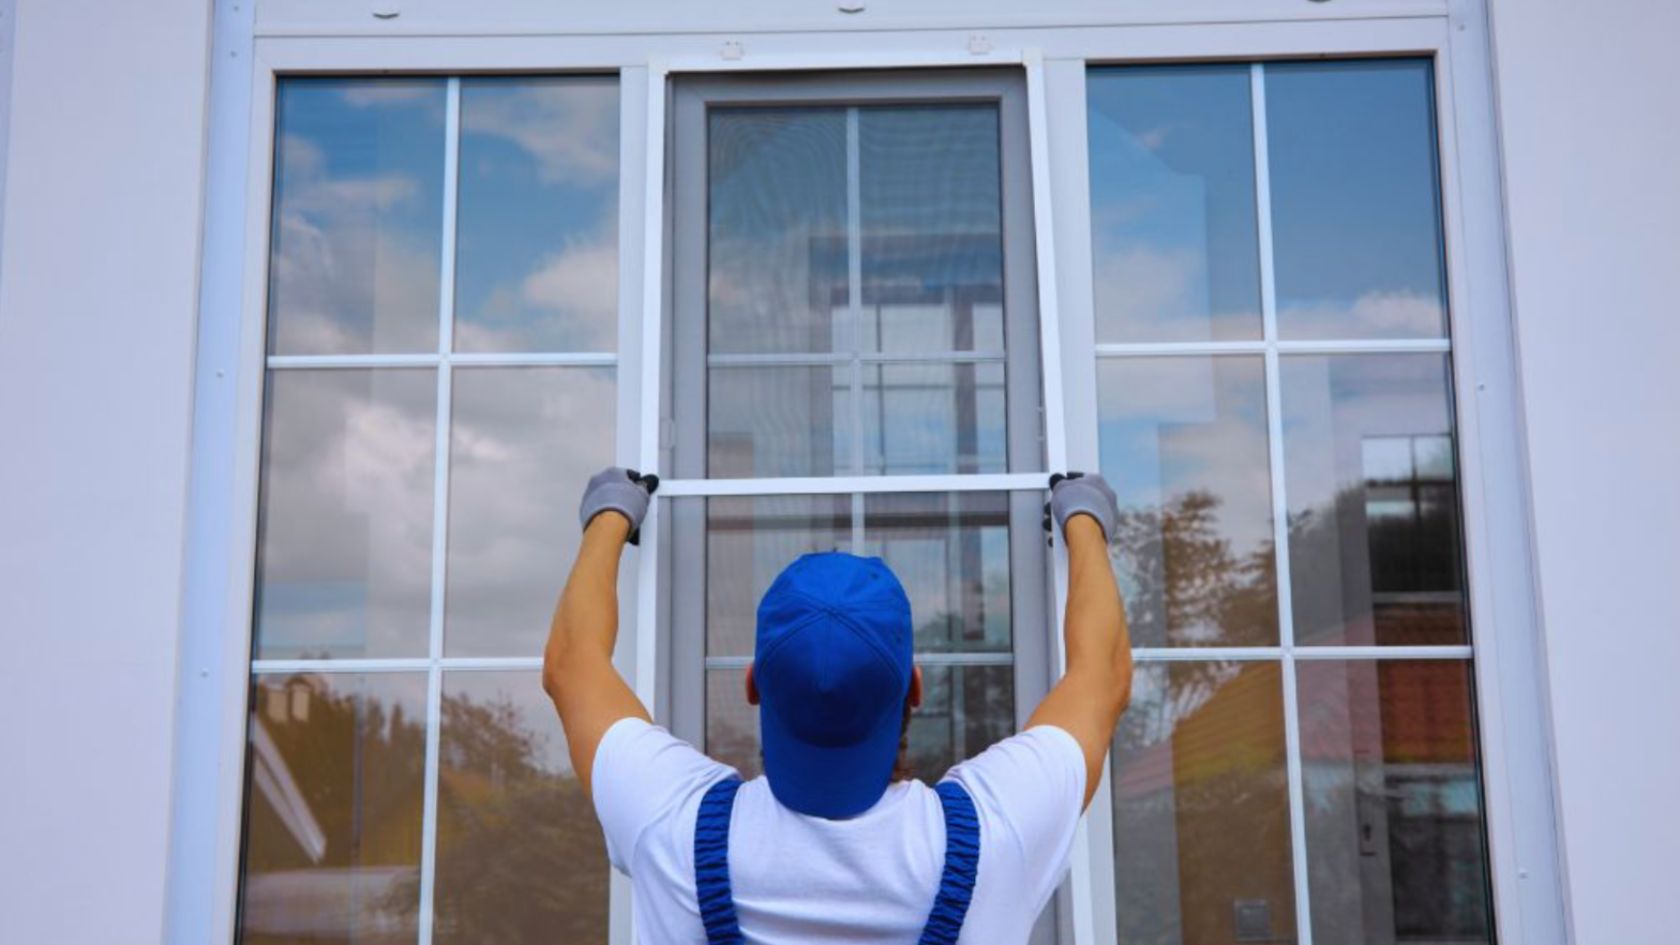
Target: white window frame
(250,55)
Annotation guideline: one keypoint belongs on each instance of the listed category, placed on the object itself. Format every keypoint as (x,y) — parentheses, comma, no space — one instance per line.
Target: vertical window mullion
(854,308)
(440,512)
(1280,511)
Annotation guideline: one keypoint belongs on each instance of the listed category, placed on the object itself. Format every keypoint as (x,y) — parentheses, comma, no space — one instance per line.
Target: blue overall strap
(711,863)
(962,863)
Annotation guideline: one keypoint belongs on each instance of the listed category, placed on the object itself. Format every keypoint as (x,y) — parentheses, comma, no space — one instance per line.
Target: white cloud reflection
(1375,314)
(347,480)
(354,265)
(523,443)
(568,126)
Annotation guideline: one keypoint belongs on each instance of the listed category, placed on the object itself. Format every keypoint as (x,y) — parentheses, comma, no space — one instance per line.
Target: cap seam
(845,618)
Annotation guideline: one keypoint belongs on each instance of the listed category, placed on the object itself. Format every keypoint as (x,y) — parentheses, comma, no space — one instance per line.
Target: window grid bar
(1147,349)
(1280,510)
(457,664)
(1166,654)
(440,512)
(838,485)
(445,356)
(854,307)
(370,665)
(987,658)
(822,358)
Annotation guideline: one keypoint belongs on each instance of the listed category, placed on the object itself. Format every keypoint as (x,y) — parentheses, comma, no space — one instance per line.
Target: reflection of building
(345,904)
(1412,523)
(333,849)
(1391,800)
(319,903)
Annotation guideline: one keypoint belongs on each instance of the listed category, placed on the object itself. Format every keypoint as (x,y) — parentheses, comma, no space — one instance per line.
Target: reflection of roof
(1412,712)
(274,781)
(331,904)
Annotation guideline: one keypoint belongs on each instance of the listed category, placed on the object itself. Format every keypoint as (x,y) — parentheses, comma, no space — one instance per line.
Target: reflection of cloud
(347,478)
(342,282)
(569,301)
(1403,314)
(569,126)
(300,155)
(346,272)
(1142,284)
(537,267)
(524,441)
(571,279)
(1159,294)
(768,288)
(1172,426)
(311,190)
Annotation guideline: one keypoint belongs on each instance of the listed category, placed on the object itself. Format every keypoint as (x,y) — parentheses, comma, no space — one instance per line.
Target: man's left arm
(578,672)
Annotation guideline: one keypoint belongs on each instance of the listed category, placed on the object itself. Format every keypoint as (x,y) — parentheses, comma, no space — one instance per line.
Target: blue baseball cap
(832,664)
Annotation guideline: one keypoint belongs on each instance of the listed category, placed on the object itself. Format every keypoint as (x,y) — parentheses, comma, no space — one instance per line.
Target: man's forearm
(586,619)
(1088,700)
(1095,624)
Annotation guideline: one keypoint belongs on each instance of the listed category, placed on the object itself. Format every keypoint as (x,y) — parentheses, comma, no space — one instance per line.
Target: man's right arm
(1094,691)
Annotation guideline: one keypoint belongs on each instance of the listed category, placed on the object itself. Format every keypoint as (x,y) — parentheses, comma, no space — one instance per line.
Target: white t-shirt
(869,878)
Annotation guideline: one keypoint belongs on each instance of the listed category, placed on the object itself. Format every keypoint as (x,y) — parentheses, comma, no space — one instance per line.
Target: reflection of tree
(520,856)
(1186,584)
(1201,811)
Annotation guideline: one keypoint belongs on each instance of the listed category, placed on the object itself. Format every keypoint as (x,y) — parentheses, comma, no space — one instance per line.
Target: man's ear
(752,687)
(915,686)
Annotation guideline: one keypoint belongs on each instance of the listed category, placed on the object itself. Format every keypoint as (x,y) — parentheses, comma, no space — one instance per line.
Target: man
(826,846)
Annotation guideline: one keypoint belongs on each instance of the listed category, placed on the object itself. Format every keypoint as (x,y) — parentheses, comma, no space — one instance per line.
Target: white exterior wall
(1590,128)
(98,289)
(101,214)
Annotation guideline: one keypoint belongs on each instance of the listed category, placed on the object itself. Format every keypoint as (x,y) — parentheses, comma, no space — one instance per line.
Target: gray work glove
(1080,494)
(620,490)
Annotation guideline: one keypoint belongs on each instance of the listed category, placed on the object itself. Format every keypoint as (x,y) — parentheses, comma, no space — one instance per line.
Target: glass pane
(1201,807)
(358,216)
(1374,533)
(908,419)
(905,201)
(931,223)
(900,323)
(344,526)
(523,441)
(777,228)
(731,724)
(927,419)
(778,421)
(1184,442)
(1394,803)
(520,856)
(1356,213)
(964,710)
(951,552)
(748,542)
(536,252)
(1173,231)
(332,810)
